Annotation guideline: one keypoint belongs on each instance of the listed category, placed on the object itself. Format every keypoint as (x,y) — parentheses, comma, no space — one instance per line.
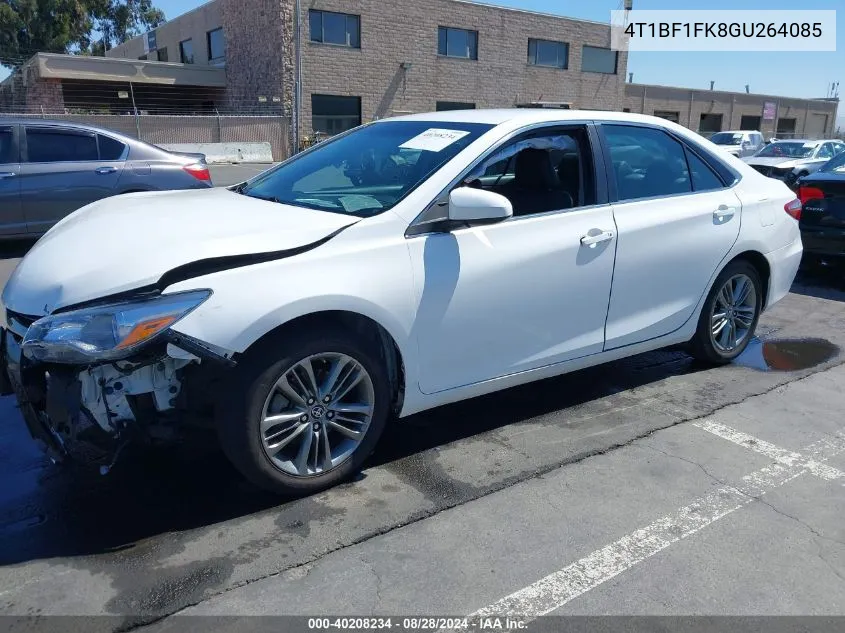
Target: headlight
(109,332)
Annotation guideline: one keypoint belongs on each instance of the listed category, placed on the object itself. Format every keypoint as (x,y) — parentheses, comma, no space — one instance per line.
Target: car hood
(778,161)
(127,242)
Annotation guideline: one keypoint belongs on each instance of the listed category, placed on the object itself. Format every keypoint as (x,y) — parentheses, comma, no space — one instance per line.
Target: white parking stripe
(776,453)
(558,588)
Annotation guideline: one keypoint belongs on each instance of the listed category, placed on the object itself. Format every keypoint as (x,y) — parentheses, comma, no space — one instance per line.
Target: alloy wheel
(317,414)
(733,313)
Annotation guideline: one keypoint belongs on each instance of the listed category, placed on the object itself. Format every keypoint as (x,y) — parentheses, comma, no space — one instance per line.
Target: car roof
(738,132)
(68,124)
(527,116)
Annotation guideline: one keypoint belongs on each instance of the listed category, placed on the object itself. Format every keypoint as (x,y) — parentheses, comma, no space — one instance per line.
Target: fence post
(219,126)
(135,109)
(43,114)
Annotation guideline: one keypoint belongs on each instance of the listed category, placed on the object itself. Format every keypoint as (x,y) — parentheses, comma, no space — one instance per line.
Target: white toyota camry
(400,266)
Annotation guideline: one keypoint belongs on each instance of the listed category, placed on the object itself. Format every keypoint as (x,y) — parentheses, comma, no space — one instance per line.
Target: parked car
(822,222)
(790,160)
(49,169)
(472,251)
(739,142)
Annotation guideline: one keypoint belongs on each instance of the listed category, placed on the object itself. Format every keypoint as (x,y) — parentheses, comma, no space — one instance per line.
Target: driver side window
(540,172)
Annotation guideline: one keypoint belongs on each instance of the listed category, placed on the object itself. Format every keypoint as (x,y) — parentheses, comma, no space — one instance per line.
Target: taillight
(793,208)
(809,193)
(198,171)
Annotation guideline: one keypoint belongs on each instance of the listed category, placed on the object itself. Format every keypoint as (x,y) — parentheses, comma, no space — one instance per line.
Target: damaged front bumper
(88,414)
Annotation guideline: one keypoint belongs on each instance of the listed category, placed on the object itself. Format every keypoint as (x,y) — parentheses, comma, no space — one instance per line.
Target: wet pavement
(172,528)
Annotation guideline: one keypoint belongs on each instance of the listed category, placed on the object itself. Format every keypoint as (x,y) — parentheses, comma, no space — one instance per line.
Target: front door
(61,173)
(11,216)
(500,299)
(676,220)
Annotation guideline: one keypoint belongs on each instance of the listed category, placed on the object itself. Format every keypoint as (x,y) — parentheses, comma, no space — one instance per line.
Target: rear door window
(50,145)
(7,145)
(110,149)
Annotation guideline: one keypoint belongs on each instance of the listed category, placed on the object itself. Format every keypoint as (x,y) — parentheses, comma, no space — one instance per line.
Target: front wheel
(730,314)
(305,413)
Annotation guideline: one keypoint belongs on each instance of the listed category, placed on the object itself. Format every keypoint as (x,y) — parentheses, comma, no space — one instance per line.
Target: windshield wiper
(266,198)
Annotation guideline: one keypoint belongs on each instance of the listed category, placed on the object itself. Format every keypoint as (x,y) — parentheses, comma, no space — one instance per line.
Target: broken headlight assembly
(108,332)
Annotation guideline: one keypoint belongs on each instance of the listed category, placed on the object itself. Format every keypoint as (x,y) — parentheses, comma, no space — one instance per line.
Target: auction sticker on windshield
(434,139)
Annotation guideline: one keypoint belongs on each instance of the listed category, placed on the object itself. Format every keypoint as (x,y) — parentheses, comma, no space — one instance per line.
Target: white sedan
(403,265)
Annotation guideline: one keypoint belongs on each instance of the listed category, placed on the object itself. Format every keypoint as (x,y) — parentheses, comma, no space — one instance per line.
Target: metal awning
(57,66)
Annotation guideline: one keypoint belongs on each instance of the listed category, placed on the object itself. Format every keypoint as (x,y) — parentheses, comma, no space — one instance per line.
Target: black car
(822,221)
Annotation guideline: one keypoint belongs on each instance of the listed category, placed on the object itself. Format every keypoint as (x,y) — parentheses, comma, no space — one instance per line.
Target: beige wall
(193,25)
(813,117)
(394,31)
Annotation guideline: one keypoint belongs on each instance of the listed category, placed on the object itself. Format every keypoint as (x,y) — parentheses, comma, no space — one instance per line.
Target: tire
(717,349)
(255,395)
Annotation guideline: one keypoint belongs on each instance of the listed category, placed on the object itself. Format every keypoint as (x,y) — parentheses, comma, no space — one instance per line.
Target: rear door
(11,216)
(677,220)
(62,171)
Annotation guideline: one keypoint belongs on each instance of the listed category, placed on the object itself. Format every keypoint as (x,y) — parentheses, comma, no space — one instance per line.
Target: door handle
(723,213)
(105,170)
(7,174)
(591,239)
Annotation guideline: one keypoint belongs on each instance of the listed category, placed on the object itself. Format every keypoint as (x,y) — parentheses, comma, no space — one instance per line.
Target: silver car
(48,169)
(790,160)
(739,142)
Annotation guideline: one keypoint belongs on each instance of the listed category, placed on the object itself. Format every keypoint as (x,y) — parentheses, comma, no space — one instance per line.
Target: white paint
(556,589)
(781,455)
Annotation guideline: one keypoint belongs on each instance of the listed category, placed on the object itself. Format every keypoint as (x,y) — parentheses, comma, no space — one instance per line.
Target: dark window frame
(536,42)
(443,51)
(44,129)
(360,116)
(615,70)
(353,40)
(182,56)
(211,58)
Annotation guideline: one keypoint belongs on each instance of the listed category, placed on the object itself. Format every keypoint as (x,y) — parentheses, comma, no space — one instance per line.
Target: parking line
(777,453)
(558,588)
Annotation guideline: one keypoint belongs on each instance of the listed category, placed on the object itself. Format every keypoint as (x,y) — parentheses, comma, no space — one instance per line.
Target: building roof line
(732,92)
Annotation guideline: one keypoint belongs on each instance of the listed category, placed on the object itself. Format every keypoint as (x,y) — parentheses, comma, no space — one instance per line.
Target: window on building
(548,53)
(457,42)
(216,46)
(709,123)
(186,51)
(60,146)
(626,109)
(598,60)
(7,146)
(331,114)
(749,122)
(110,149)
(162,54)
(143,58)
(454,105)
(328,27)
(786,127)
(646,162)
(669,115)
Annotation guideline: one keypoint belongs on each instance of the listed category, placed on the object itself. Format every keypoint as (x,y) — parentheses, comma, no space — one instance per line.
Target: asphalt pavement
(651,485)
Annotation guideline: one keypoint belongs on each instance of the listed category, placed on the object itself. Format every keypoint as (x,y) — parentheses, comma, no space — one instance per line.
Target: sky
(804,75)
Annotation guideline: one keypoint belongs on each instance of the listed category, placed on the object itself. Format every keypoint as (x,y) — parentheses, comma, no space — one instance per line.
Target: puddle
(786,354)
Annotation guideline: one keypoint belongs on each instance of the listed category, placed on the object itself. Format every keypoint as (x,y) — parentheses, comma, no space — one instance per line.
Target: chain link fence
(170,129)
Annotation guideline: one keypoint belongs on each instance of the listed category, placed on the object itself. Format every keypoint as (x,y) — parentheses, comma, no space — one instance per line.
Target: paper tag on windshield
(434,139)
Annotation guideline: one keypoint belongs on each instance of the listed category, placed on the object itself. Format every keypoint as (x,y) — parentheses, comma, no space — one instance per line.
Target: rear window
(57,146)
(110,149)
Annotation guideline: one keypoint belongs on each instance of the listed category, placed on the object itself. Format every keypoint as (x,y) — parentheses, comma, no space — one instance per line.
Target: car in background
(739,142)
(790,160)
(49,169)
(822,220)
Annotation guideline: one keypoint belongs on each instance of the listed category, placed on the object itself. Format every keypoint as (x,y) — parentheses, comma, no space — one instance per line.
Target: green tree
(70,26)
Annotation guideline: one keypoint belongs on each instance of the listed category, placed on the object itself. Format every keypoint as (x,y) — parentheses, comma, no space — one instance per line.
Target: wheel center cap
(318,411)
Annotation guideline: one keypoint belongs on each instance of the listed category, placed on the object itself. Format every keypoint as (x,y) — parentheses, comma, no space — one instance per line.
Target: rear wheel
(305,412)
(730,314)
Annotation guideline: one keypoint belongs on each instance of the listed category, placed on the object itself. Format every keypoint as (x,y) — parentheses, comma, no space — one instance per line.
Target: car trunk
(823,212)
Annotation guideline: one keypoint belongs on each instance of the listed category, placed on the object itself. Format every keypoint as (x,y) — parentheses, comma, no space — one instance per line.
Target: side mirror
(467,204)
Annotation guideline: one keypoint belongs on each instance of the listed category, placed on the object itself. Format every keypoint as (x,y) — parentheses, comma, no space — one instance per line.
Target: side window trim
(24,146)
(610,174)
(420,226)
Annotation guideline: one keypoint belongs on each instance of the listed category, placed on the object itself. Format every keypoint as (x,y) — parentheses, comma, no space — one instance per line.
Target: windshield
(791,150)
(835,164)
(367,171)
(726,138)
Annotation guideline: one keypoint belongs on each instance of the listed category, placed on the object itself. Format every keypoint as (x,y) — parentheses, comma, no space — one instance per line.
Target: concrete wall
(813,117)
(193,25)
(394,31)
